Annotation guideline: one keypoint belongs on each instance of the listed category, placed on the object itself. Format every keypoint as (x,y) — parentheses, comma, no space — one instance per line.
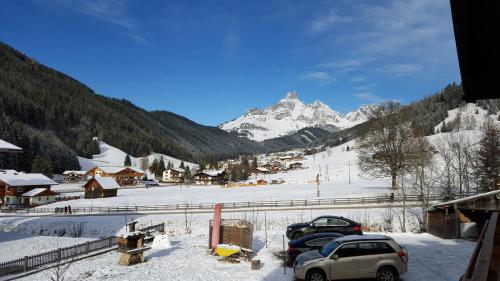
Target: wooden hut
(233,231)
(462,218)
(101,187)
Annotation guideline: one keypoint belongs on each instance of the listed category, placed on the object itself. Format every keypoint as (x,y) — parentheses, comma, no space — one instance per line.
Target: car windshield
(328,248)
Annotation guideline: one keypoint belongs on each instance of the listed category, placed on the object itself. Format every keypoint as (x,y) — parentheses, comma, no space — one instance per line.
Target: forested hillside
(53,116)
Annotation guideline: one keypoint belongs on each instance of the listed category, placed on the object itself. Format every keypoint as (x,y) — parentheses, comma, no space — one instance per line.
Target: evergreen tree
(161,168)
(42,165)
(127,162)
(181,165)
(154,167)
(187,174)
(488,156)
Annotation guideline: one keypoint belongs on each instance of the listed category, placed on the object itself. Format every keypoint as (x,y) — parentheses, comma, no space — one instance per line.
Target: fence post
(25,266)
(110,241)
(59,254)
(88,247)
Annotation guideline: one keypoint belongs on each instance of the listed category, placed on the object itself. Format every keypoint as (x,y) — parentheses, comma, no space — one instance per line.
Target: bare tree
(385,149)
(144,163)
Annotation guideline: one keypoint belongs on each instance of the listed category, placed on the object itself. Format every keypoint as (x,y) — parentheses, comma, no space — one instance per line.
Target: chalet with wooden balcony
(122,175)
(173,175)
(210,177)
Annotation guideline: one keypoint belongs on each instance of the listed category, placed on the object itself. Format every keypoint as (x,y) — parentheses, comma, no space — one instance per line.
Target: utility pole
(317,185)
(349,172)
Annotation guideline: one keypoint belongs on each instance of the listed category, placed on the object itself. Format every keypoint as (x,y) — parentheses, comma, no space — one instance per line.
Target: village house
(210,177)
(173,175)
(9,147)
(295,165)
(15,189)
(261,170)
(462,218)
(38,196)
(74,176)
(122,175)
(101,187)
(261,182)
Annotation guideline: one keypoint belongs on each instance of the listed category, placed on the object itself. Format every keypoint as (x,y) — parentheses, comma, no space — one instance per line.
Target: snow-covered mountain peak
(289,115)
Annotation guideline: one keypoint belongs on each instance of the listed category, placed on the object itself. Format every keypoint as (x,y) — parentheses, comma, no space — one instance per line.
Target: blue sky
(210,61)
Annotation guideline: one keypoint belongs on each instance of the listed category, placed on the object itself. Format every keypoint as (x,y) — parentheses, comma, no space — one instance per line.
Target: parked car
(354,257)
(324,224)
(308,243)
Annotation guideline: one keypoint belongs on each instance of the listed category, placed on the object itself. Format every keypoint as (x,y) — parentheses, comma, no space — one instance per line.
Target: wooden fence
(59,255)
(65,254)
(245,205)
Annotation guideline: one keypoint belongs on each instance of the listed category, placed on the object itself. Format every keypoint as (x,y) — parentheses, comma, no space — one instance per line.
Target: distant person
(65,209)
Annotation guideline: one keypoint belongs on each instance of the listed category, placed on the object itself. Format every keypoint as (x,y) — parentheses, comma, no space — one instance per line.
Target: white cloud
(112,11)
(325,22)
(368,97)
(318,76)
(399,70)
(358,79)
(340,64)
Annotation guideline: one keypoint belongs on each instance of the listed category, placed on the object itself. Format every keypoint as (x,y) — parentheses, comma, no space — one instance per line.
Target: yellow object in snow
(226,250)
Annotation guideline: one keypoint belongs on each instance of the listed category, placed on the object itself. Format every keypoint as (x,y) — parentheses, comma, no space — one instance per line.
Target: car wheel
(315,275)
(297,235)
(387,274)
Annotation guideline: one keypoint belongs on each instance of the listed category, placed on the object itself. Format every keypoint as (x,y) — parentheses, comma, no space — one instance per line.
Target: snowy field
(15,245)
(431,258)
(332,165)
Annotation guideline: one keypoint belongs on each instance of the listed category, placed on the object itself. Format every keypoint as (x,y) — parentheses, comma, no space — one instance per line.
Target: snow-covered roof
(34,192)
(117,169)
(180,170)
(213,173)
(9,171)
(262,169)
(26,179)
(107,182)
(473,197)
(74,172)
(6,146)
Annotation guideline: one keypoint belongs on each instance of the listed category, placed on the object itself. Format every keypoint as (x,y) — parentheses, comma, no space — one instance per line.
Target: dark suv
(336,224)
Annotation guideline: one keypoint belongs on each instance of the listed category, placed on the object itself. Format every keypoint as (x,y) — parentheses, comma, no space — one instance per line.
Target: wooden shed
(101,187)
(233,231)
(462,218)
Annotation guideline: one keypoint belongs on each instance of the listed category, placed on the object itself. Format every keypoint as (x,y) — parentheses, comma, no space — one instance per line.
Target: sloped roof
(470,198)
(117,169)
(76,172)
(6,146)
(180,170)
(26,179)
(36,191)
(8,171)
(107,182)
(213,173)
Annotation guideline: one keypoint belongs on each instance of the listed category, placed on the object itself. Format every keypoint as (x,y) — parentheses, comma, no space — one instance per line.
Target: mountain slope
(43,108)
(289,115)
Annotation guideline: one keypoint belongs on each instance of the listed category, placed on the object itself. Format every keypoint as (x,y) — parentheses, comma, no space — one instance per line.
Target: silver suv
(354,257)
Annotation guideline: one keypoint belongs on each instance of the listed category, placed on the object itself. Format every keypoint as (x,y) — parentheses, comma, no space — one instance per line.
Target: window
(348,250)
(321,222)
(320,242)
(368,248)
(337,222)
(384,248)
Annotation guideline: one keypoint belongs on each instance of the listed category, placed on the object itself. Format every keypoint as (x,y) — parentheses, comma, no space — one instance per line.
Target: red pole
(216,226)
